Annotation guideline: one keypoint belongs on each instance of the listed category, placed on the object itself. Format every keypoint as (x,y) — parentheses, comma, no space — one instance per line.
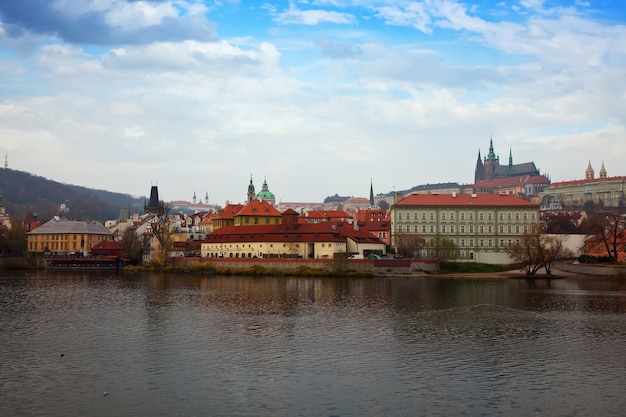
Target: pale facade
(255,249)
(481,226)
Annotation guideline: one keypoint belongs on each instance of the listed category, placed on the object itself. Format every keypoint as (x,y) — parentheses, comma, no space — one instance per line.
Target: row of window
(470,215)
(462,229)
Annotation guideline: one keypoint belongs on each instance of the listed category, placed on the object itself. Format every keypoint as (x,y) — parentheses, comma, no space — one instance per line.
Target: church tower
(372,203)
(251,191)
(479,173)
(602,171)
(491,162)
(589,173)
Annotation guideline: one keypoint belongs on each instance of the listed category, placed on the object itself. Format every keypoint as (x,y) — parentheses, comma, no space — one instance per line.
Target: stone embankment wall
(598,270)
(329,265)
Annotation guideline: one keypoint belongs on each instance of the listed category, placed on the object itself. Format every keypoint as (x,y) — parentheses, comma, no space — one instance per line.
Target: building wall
(63,242)
(480,233)
(317,250)
(610,190)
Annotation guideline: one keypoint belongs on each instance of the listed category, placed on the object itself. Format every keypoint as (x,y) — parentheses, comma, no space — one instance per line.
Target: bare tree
(527,253)
(408,244)
(162,226)
(133,245)
(553,248)
(443,248)
(536,250)
(611,235)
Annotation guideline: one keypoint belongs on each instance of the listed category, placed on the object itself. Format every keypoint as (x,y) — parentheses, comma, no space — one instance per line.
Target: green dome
(265,195)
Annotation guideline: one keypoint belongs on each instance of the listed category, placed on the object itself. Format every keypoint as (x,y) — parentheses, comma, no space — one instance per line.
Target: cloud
(107,22)
(293,15)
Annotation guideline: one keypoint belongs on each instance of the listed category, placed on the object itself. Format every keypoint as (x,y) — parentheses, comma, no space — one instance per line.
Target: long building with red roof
(604,190)
(479,226)
(290,238)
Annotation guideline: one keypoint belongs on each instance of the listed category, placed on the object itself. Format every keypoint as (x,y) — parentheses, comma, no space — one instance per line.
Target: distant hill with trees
(23,193)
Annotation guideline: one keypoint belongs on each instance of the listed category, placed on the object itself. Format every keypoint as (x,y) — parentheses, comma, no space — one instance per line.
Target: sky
(318,97)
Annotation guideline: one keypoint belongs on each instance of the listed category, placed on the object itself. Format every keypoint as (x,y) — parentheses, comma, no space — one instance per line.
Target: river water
(85,344)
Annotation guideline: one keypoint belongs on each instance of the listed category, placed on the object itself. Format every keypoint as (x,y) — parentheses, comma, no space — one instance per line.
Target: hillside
(23,192)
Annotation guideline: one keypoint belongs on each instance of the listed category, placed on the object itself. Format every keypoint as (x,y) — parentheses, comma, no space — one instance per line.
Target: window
(451,228)
(432,229)
(462,215)
(516,229)
(525,216)
(490,243)
(489,229)
(481,242)
(462,242)
(501,229)
(516,216)
(415,216)
(489,216)
(471,215)
(416,229)
(451,215)
(501,216)
(423,229)
(423,215)
(462,229)
(443,216)
(508,216)
(482,229)
(443,228)
(471,229)
(399,216)
(471,242)
(400,228)
(481,216)
(501,242)
(432,216)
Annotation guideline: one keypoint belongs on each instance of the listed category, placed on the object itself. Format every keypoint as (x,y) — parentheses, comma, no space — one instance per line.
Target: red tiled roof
(513,181)
(325,214)
(108,245)
(587,181)
(229,211)
(303,232)
(460,200)
(260,208)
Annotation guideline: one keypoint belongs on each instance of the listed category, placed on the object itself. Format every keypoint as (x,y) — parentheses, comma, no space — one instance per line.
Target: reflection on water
(185,345)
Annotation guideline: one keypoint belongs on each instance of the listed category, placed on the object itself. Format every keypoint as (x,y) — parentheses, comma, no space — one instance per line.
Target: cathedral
(489,168)
(265,193)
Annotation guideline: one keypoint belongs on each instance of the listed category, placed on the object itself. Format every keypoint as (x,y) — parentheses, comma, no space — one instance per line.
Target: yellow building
(61,237)
(290,239)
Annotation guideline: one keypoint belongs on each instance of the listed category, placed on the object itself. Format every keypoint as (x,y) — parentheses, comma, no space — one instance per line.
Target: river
(96,344)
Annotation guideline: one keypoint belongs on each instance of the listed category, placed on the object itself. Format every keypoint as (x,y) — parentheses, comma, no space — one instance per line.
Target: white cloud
(293,15)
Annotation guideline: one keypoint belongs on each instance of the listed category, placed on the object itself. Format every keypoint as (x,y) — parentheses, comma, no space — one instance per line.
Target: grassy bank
(473,268)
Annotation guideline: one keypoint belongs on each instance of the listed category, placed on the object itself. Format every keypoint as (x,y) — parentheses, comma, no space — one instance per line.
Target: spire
(195,199)
(206,198)
(251,192)
(491,154)
(510,157)
(589,174)
(479,172)
(602,171)
(372,205)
